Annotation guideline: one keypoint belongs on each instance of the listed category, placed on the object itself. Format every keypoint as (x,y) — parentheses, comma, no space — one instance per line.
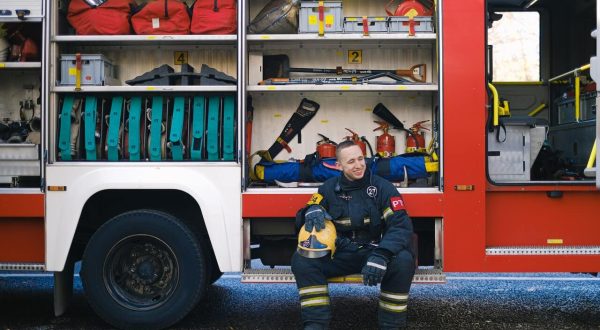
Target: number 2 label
(354,56)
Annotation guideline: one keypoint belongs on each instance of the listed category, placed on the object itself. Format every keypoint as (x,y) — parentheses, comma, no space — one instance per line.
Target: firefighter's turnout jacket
(369,215)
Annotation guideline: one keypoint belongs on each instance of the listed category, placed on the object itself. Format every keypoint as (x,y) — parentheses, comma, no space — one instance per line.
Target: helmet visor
(312,254)
(312,248)
(95,3)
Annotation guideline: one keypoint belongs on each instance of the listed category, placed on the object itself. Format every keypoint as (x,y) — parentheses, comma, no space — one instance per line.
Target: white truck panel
(215,187)
(34,7)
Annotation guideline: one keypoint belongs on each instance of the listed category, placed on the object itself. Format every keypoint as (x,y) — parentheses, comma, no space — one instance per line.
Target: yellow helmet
(317,244)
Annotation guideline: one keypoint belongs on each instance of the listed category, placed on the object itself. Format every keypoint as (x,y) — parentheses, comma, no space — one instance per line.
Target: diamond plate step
(590,172)
(542,250)
(12,266)
(284,275)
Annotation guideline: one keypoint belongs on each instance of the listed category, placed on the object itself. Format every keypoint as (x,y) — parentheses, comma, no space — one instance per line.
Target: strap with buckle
(114,125)
(228,127)
(212,138)
(175,137)
(91,105)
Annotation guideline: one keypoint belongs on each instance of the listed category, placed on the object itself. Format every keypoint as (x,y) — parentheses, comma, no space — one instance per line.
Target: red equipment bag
(214,17)
(108,17)
(162,17)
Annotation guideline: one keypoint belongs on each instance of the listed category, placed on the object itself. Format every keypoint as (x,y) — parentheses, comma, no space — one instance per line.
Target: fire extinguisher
(325,147)
(386,143)
(356,138)
(415,137)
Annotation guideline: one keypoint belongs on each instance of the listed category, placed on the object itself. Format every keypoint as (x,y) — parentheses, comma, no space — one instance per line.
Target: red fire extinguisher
(356,138)
(326,147)
(386,143)
(415,139)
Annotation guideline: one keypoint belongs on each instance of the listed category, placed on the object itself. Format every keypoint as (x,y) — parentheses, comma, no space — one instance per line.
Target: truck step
(590,172)
(284,275)
(22,266)
(542,250)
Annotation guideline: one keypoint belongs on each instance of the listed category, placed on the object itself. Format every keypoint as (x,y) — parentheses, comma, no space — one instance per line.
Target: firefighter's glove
(315,217)
(374,269)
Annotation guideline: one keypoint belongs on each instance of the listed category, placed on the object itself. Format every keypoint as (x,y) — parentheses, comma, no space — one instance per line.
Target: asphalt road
(467,301)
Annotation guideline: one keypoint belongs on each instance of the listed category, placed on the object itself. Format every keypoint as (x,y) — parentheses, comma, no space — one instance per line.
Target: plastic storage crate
(96,70)
(401,24)
(356,24)
(309,16)
(21,9)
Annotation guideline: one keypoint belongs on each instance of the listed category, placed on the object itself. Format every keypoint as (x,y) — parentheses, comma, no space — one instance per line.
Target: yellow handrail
(577,95)
(537,110)
(496,103)
(574,71)
(592,159)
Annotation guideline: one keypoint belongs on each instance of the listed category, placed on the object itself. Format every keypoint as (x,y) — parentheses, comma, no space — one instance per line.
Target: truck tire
(143,269)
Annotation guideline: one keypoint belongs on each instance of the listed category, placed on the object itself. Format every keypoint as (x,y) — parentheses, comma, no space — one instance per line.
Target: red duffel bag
(100,17)
(161,17)
(214,17)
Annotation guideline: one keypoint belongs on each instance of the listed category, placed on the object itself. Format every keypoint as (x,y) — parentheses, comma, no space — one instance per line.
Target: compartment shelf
(16,20)
(311,190)
(339,37)
(148,39)
(343,88)
(20,65)
(151,89)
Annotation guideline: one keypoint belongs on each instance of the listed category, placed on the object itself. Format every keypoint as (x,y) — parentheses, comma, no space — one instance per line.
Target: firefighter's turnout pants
(312,274)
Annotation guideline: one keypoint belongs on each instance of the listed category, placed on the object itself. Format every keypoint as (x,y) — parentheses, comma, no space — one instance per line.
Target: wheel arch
(214,190)
(106,204)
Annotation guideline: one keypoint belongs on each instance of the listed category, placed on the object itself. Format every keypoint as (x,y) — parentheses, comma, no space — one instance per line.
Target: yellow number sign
(355,56)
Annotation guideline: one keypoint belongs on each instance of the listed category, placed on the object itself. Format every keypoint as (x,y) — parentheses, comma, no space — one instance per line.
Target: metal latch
(21,13)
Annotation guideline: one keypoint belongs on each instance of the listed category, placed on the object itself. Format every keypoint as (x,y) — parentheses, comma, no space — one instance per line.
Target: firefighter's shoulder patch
(397,203)
(315,199)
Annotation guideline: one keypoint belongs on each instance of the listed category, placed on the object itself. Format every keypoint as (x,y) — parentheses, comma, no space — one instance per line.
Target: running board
(589,172)
(542,250)
(13,266)
(284,275)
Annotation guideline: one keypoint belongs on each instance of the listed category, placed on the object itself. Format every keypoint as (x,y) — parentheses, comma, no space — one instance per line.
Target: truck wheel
(143,269)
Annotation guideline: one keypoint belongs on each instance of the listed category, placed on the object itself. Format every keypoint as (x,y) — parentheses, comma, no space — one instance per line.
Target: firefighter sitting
(374,237)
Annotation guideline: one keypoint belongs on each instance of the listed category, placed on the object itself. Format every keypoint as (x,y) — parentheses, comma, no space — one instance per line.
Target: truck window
(515,38)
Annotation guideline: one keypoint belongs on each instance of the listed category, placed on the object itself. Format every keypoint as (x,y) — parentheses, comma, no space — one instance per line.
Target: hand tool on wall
(384,78)
(278,66)
(303,114)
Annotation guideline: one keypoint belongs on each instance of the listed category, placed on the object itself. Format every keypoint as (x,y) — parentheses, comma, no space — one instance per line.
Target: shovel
(278,66)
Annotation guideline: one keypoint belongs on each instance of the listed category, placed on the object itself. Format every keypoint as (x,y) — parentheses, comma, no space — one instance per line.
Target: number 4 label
(354,56)
(181,58)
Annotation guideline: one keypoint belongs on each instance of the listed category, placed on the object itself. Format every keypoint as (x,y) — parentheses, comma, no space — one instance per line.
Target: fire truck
(113,154)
